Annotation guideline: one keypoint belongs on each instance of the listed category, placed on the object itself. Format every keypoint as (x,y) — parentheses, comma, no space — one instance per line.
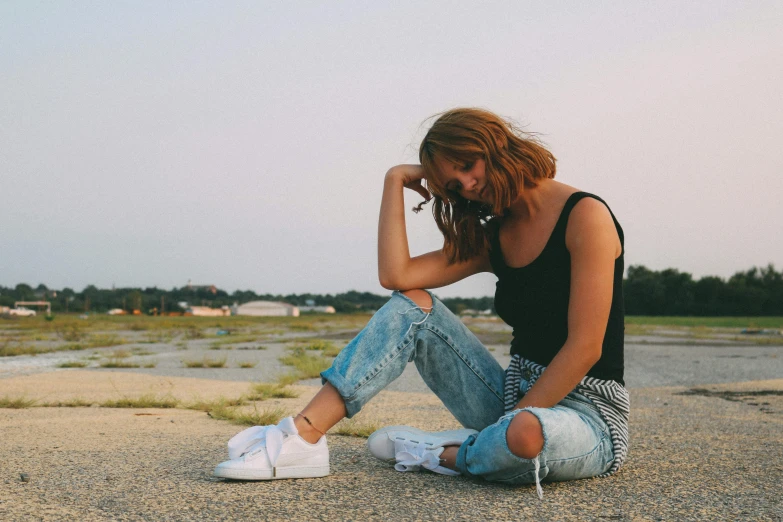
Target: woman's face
(469,180)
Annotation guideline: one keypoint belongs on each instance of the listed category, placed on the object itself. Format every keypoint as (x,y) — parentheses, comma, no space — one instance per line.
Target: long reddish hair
(514,160)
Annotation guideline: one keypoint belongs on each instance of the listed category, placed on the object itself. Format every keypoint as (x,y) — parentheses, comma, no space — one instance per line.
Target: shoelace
(252,440)
(414,456)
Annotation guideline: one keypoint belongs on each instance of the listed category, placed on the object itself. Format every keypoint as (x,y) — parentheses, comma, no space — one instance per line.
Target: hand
(410,176)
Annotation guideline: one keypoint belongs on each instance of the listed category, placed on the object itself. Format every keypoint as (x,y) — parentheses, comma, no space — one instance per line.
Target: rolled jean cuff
(462,456)
(330,375)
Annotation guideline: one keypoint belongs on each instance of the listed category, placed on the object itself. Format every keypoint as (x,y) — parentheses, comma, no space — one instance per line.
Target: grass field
(72,328)
(711,322)
(34,335)
(70,332)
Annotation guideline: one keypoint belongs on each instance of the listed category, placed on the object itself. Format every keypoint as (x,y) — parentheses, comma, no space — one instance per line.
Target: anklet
(310,423)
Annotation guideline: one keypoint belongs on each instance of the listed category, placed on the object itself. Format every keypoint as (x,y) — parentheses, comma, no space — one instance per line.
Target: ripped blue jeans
(469,382)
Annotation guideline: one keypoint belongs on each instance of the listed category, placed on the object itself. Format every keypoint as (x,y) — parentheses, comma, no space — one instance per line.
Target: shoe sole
(382,447)
(273,474)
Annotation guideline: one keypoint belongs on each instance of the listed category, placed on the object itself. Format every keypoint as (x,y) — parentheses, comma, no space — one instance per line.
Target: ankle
(449,457)
(306,430)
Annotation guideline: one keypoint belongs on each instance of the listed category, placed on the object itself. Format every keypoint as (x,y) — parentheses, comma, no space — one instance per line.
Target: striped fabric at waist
(610,397)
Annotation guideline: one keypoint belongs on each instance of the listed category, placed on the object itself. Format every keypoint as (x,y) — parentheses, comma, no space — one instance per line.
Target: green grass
(193,332)
(117,363)
(161,336)
(215,363)
(306,365)
(221,402)
(70,332)
(11,347)
(328,348)
(93,341)
(143,401)
(206,362)
(289,378)
(275,331)
(248,364)
(638,329)
(258,347)
(15,346)
(714,322)
(17,403)
(356,428)
(234,339)
(243,417)
(138,326)
(262,390)
(77,402)
(72,364)
(302,327)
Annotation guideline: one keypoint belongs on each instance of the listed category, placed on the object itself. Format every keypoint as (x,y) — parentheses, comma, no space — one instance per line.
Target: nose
(468,183)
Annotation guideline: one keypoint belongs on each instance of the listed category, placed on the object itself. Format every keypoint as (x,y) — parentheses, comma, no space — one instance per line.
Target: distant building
(471,312)
(318,309)
(205,311)
(265,308)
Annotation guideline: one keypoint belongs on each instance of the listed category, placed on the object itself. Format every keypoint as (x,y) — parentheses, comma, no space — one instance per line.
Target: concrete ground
(710,454)
(706,439)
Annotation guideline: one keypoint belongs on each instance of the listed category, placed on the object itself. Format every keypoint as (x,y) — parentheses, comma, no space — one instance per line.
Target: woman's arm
(592,241)
(397,270)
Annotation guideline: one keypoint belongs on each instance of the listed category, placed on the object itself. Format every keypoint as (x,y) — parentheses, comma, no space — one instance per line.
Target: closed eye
(468,166)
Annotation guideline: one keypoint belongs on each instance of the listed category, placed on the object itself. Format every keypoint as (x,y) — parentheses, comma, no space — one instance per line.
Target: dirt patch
(749,397)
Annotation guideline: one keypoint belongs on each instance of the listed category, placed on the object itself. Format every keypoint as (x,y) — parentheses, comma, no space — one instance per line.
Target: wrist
(394,176)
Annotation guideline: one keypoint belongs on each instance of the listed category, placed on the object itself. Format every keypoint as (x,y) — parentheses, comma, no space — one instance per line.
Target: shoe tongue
(287,426)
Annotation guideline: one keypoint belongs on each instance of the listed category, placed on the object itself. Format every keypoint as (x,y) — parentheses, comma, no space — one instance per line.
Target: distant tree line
(93,299)
(755,292)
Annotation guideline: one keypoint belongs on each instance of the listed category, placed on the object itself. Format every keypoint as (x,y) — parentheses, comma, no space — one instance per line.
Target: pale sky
(243,144)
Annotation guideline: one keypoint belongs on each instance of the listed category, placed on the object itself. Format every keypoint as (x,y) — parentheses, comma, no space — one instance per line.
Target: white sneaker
(274,452)
(412,449)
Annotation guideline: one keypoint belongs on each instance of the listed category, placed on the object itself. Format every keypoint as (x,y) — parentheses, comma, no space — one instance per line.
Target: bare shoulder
(591,224)
(590,210)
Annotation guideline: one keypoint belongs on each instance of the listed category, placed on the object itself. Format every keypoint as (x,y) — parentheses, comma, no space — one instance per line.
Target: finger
(423,192)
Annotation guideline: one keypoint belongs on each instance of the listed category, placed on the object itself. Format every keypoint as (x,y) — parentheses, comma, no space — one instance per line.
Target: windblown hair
(514,160)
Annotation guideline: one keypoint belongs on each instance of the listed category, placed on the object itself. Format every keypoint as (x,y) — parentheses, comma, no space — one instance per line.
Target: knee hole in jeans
(420,297)
(525,435)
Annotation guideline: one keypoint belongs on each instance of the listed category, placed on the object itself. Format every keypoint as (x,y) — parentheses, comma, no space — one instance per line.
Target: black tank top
(533,299)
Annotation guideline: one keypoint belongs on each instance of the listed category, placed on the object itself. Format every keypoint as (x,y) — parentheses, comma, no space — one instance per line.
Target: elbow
(388,282)
(392,278)
(593,354)
(586,354)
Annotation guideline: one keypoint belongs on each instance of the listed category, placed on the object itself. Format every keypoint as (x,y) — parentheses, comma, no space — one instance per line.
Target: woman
(560,410)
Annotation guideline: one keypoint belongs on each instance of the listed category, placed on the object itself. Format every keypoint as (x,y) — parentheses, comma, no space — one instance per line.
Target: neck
(530,201)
